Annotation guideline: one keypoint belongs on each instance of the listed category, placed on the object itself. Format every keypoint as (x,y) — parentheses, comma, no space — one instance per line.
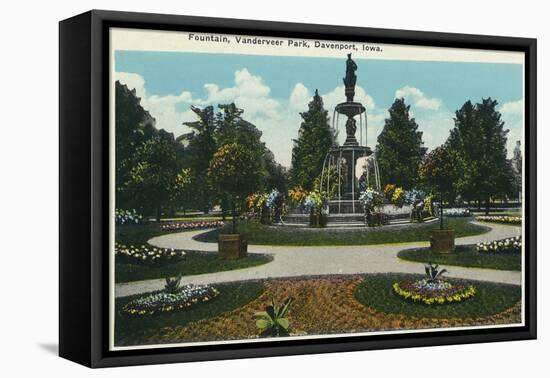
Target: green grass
(130,330)
(194,262)
(257,233)
(491,298)
(137,234)
(464,255)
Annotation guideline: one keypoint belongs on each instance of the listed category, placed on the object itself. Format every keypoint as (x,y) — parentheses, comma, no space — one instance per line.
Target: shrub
(127,217)
(272,321)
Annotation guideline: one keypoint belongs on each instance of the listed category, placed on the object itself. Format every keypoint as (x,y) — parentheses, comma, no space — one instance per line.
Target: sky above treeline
(273,90)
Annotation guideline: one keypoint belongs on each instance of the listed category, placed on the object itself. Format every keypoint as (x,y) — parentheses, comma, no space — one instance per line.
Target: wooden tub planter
(442,241)
(232,246)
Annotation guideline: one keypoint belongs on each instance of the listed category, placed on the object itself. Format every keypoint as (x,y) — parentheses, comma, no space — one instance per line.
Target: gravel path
(293,261)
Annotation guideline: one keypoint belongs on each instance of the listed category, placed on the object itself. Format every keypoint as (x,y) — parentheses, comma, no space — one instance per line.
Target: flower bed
(127,217)
(191,225)
(499,219)
(457,212)
(508,245)
(163,302)
(145,254)
(433,292)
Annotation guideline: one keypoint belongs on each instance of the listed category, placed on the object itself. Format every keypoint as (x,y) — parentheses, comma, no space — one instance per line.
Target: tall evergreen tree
(200,150)
(315,138)
(400,149)
(479,141)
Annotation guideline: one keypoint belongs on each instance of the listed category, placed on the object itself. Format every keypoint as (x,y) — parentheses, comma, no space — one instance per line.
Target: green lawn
(491,298)
(257,233)
(464,255)
(137,234)
(130,330)
(194,262)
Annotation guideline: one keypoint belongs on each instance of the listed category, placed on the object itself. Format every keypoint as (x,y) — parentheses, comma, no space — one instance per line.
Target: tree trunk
(159,212)
(234,221)
(487,205)
(441,211)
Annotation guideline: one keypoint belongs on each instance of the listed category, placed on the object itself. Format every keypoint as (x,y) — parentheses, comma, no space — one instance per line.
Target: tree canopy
(400,148)
(478,140)
(315,138)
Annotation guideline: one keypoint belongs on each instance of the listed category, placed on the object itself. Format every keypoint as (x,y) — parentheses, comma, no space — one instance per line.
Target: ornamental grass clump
(433,290)
(170,299)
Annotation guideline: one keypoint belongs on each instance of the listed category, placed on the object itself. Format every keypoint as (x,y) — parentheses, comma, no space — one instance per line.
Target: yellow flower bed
(468,292)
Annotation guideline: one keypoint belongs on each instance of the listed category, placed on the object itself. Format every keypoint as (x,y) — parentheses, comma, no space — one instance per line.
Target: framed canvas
(235,188)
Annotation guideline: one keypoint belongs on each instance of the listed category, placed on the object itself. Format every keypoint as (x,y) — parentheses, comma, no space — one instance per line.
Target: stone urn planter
(442,241)
(232,246)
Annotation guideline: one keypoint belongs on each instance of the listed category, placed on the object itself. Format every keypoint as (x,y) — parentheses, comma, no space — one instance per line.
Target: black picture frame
(84,194)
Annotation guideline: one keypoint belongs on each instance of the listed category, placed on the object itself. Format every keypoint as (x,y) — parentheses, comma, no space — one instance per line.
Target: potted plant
(438,172)
(233,173)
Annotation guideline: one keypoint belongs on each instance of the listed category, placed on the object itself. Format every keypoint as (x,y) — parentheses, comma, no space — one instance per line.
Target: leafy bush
(433,272)
(127,217)
(172,285)
(272,321)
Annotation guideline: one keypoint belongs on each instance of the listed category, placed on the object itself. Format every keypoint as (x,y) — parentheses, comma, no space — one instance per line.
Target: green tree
(152,176)
(315,138)
(400,149)
(181,193)
(133,126)
(438,173)
(201,146)
(234,173)
(478,139)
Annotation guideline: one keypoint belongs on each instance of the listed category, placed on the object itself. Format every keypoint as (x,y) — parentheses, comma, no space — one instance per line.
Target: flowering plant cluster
(432,292)
(272,198)
(370,199)
(388,191)
(297,195)
(429,204)
(508,245)
(191,225)
(398,197)
(146,254)
(163,301)
(313,201)
(500,219)
(457,212)
(127,217)
(414,195)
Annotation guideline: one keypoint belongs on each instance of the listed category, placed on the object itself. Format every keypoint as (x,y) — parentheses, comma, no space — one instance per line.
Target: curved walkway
(293,261)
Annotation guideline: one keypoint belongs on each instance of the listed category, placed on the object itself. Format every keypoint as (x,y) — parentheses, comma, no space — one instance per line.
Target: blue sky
(274,89)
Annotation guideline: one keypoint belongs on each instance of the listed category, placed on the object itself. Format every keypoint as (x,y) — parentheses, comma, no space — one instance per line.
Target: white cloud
(133,81)
(299,97)
(416,97)
(512,115)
